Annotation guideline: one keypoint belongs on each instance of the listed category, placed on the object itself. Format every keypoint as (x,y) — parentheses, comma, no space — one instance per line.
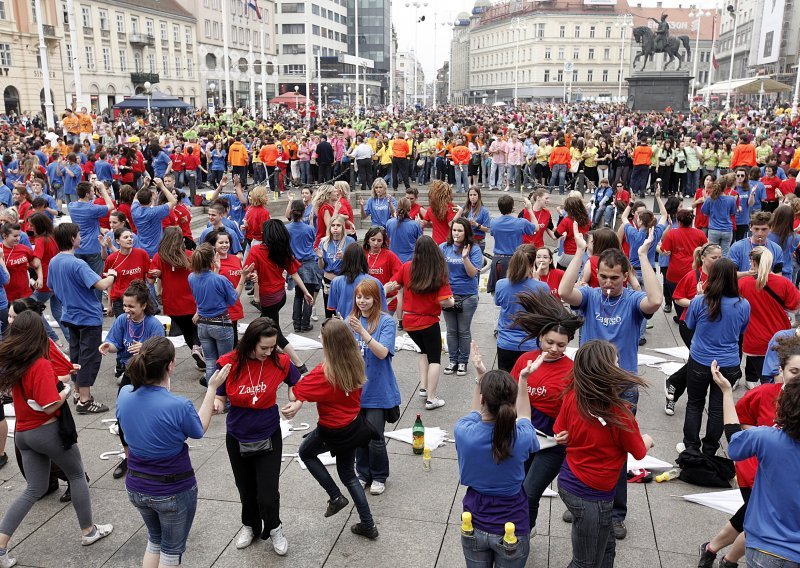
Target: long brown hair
(428,267)
(722,282)
(439,197)
(499,392)
(149,365)
(258,328)
(597,381)
(519,267)
(782,223)
(576,210)
(172,249)
(368,287)
(25,343)
(542,313)
(344,365)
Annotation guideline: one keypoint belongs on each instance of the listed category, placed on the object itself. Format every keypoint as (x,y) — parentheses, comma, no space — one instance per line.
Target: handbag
(458,305)
(421,163)
(253,449)
(391,415)
(574,165)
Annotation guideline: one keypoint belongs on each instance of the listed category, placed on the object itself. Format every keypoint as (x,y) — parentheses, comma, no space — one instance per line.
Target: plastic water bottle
(418,436)
(466,524)
(426,459)
(667,475)
(510,541)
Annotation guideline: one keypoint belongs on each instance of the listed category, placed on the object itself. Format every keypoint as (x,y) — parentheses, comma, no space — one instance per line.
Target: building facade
(374,38)
(406,63)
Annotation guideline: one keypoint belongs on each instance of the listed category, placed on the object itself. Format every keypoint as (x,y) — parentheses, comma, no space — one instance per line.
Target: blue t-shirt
(739,253)
(71,181)
(509,336)
(719,212)
(483,219)
(218,160)
(148,224)
(787,251)
(378,210)
(507,231)
(761,195)
(213,293)
(772,522)
(743,214)
(329,250)
(635,237)
(402,237)
(104,170)
(772,362)
(614,319)
(124,333)
(341,297)
(380,390)
(87,216)
(51,203)
(160,164)
(460,282)
(301,240)
(236,243)
(717,339)
(5,195)
(5,278)
(53,175)
(236,210)
(73,283)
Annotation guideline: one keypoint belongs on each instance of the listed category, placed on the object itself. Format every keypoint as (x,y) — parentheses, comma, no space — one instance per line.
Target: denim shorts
(168,519)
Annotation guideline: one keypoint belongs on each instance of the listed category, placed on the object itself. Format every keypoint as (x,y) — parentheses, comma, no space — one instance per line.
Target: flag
(253,6)
(714,61)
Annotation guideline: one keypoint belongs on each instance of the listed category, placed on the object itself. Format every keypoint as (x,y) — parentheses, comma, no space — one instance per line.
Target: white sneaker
(279,542)
(7,562)
(377,488)
(680,447)
(750,385)
(433,404)
(245,537)
(423,392)
(101,531)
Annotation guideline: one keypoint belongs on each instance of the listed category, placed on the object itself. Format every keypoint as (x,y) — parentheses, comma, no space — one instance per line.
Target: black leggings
(737,520)
(188,329)
(678,378)
(273,312)
(326,287)
(507,358)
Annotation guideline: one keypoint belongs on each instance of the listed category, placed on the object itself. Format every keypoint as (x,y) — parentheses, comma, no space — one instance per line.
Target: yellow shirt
(590,157)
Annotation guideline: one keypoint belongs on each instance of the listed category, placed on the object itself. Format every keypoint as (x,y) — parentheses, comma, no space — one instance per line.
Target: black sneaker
(669,389)
(669,408)
(336,505)
(667,309)
(3,460)
(303,369)
(707,557)
(642,341)
(369,532)
(67,496)
(91,406)
(620,531)
(121,469)
(725,563)
(307,328)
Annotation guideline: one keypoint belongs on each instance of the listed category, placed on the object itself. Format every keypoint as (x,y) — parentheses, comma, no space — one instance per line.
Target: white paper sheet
(669,368)
(326,459)
(642,359)
(681,352)
(434,436)
(545,441)
(726,501)
(549,493)
(301,343)
(404,342)
(178,341)
(649,462)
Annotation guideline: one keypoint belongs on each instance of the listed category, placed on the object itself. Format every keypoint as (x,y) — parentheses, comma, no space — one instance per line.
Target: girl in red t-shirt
(546,270)
(441,211)
(130,263)
(326,206)
(22,198)
(257,214)
(577,213)
(546,318)
(383,263)
(426,291)
(17,258)
(335,385)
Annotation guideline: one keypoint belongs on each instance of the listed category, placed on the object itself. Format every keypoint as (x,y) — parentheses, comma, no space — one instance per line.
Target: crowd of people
(97,223)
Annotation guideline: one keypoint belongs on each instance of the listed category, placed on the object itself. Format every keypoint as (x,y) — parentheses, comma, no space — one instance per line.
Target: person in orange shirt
(744,154)
(85,124)
(642,155)
(269,157)
(400,161)
(559,163)
(290,145)
(795,159)
(238,159)
(71,126)
(461,156)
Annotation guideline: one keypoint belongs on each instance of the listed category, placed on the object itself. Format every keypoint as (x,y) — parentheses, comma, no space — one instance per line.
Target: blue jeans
(758,559)
(462,178)
(56,310)
(486,167)
(558,176)
(484,550)
(313,446)
(691,182)
(620,509)
(372,462)
(216,341)
(496,174)
(305,172)
(721,238)
(95,262)
(513,176)
(543,469)
(168,520)
(459,334)
(593,544)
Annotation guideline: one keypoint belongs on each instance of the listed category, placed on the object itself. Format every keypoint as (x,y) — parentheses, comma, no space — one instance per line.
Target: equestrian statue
(660,42)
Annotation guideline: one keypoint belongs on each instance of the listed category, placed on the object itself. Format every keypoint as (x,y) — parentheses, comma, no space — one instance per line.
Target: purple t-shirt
(568,482)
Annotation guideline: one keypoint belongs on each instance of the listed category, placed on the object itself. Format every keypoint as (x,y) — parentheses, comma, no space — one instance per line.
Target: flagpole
(711,60)
(308,71)
(263,75)
(228,107)
(355,39)
(319,83)
(251,67)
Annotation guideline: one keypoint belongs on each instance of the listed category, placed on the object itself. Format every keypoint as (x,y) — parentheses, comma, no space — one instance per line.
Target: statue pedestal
(657,90)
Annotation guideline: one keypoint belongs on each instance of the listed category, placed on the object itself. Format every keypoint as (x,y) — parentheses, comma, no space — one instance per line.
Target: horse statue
(644,35)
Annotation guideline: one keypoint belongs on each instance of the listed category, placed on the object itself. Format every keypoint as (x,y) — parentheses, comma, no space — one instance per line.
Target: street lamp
(213,105)
(495,95)
(700,14)
(147,86)
(516,26)
(417,20)
(325,91)
(732,9)
(296,103)
(623,35)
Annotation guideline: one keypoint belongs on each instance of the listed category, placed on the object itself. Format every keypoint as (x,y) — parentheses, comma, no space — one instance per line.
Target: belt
(170,478)
(224,320)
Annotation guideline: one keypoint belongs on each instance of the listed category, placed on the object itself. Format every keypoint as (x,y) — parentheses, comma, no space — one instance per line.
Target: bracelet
(370,340)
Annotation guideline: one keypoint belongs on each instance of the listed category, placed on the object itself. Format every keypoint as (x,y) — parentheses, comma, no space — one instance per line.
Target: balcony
(142,40)
(49,31)
(140,78)
(189,46)
(105,34)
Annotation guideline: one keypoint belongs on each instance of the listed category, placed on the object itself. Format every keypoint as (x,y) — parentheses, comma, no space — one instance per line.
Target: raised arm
(566,288)
(655,295)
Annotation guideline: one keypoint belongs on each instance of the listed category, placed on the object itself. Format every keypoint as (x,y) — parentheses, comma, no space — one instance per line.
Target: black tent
(158,100)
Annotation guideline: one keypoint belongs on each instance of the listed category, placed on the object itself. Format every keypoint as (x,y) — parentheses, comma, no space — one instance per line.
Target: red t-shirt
(104,220)
(129,267)
(565,228)
(420,311)
(687,288)
(553,279)
(415,211)
(771,184)
(177,162)
(385,267)
(17,260)
(270,275)
(44,249)
(335,407)
(346,210)
(126,208)
(541,217)
(596,453)
(681,242)
(441,228)
(170,220)
(257,379)
(184,217)
(127,176)
(191,161)
(61,365)
(756,408)
(700,218)
(231,268)
(177,297)
(321,226)
(256,216)
(39,384)
(24,211)
(789,185)
(767,317)
(547,383)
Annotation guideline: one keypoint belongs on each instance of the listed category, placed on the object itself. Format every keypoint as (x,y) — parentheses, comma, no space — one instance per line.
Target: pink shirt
(498,150)
(515,154)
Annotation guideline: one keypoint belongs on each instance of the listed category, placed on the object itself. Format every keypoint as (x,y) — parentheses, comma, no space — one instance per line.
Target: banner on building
(600,2)
(769,37)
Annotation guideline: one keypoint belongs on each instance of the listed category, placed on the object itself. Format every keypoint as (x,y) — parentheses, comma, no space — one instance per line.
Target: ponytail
(762,258)
(149,366)
(499,392)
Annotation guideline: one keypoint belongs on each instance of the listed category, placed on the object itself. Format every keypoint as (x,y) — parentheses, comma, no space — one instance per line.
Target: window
(287,29)
(163,28)
(134,25)
(150,27)
(187,34)
(315,9)
(64,12)
(561,54)
(768,44)
(120,23)
(137,62)
(577,31)
(189,68)
(165,64)
(69,55)
(562,31)
(605,75)
(33,10)
(90,57)
(151,63)
(103,14)
(107,59)
(547,53)
(607,53)
(576,54)
(589,75)
(608,32)
(591,53)
(207,28)
(591,32)
(86,16)
(5,54)
(176,34)
(215,27)
(2,10)
(178,66)
(619,75)
(539,30)
(123,60)
(574,75)
(560,76)
(295,8)
(547,75)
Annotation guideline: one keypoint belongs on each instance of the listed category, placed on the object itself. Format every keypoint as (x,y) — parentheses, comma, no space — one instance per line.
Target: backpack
(705,471)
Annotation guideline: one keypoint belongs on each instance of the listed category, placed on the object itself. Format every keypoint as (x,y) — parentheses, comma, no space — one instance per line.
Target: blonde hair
(345,371)
(379,182)
(321,196)
(343,187)
(575,193)
(334,219)
(700,252)
(762,258)
(259,196)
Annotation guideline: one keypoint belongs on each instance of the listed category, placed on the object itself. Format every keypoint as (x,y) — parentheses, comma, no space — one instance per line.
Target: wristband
(67,388)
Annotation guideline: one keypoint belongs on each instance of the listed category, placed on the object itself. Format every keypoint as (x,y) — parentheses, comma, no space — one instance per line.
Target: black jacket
(324,153)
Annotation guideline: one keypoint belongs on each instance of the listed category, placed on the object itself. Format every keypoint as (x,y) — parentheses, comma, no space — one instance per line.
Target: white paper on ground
(649,463)
(326,459)
(8,409)
(549,493)
(301,343)
(286,428)
(642,360)
(178,341)
(434,436)
(669,368)
(726,501)
(402,342)
(681,352)
(164,320)
(241,328)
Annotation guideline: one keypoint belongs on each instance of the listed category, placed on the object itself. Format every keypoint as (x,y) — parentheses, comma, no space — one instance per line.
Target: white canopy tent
(751,86)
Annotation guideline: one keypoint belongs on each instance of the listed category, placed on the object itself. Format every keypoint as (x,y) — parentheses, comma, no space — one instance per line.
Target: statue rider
(662,33)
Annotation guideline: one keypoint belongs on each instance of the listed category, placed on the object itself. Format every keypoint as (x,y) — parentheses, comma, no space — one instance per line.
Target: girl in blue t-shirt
(493,442)
(302,242)
(375,332)
(478,217)
(720,209)
(329,255)
(403,231)
(125,338)
(380,207)
(782,233)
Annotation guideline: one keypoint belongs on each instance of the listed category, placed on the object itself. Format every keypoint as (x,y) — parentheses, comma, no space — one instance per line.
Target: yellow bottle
(426,459)
(667,475)
(466,524)
(509,539)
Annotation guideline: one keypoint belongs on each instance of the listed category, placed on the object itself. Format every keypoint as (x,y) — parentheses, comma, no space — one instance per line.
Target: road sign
(359,61)
(568,66)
